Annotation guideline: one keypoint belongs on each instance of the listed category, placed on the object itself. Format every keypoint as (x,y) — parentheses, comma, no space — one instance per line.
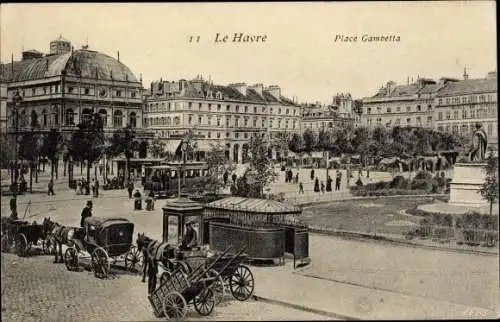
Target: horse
(62,235)
(154,252)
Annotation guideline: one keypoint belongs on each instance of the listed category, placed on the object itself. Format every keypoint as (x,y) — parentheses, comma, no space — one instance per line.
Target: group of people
(84,187)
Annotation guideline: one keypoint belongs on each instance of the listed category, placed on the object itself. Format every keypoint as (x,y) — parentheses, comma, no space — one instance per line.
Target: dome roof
(87,63)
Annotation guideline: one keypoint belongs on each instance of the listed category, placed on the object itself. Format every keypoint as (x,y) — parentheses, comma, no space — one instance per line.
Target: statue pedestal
(466,182)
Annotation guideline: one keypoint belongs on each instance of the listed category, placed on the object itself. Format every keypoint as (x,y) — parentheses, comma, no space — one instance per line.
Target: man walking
(96,188)
(130,189)
(51,188)
(301,188)
(338,180)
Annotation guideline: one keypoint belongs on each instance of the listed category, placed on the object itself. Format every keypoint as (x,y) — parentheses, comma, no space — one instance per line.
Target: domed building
(63,88)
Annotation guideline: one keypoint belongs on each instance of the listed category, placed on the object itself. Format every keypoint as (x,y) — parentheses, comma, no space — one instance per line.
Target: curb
(364,237)
(314,203)
(305,309)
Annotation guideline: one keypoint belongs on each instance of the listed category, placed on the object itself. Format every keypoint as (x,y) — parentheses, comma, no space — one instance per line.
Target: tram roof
(176,165)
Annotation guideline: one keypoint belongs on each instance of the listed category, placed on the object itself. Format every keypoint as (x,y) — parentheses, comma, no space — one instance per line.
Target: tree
(157,148)
(281,141)
(310,141)
(360,142)
(489,189)
(29,149)
(87,143)
(123,141)
(260,172)
(296,145)
(52,144)
(217,166)
(325,144)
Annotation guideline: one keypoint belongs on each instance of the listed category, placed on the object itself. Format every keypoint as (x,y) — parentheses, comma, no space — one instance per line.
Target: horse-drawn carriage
(199,286)
(22,236)
(107,241)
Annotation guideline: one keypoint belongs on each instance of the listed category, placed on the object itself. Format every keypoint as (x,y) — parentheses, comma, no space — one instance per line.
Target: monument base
(466,183)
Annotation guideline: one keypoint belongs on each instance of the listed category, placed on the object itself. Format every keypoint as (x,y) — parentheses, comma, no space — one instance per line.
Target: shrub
(423,175)
(398,182)
(359,183)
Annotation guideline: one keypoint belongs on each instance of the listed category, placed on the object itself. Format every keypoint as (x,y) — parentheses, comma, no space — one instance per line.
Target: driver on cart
(190,238)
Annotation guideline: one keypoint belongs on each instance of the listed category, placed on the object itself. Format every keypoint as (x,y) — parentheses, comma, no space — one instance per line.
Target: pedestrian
(297,178)
(329,184)
(337,180)
(316,185)
(92,186)
(301,188)
(138,200)
(86,213)
(322,187)
(234,177)
(312,174)
(225,177)
(96,188)
(130,188)
(51,188)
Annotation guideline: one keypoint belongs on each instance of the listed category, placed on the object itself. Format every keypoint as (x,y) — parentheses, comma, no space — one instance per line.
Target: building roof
(253,205)
(85,63)
(469,86)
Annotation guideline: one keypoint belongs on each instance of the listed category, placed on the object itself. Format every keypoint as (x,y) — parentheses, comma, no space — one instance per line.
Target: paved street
(35,289)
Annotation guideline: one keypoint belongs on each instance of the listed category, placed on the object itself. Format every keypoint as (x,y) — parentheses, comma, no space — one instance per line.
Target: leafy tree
(29,149)
(260,172)
(360,142)
(7,150)
(296,145)
(325,144)
(87,143)
(489,189)
(157,148)
(123,141)
(281,141)
(52,144)
(217,166)
(310,141)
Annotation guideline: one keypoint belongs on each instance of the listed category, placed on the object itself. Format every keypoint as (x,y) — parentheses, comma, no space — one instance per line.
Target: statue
(479,143)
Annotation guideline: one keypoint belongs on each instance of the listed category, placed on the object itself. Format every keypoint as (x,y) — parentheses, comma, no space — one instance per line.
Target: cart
(23,236)
(178,289)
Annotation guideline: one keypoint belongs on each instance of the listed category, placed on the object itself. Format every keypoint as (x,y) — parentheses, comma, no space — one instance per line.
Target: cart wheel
(241,283)
(21,245)
(204,303)
(134,259)
(184,267)
(100,263)
(71,259)
(164,277)
(5,243)
(48,245)
(217,286)
(174,306)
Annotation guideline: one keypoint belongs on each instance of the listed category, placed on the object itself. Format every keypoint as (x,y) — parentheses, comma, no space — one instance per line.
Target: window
(200,119)
(218,135)
(287,111)
(455,129)
(254,122)
(398,109)
(218,121)
(369,110)
(490,129)
(237,108)
(388,110)
(218,107)
(255,109)
(408,108)
(419,108)
(209,134)
(168,106)
(190,119)
(199,106)
(440,116)
(246,109)
(294,124)
(227,134)
(209,107)
(419,120)
(70,117)
(397,122)
(245,135)
(177,120)
(464,113)
(263,122)
(118,93)
(86,91)
(455,115)
(70,90)
(245,122)
(169,120)
(263,109)
(448,115)
(190,104)
(408,120)
(118,119)
(472,112)
(429,119)
(133,120)
(429,107)
(237,122)
(133,94)
(440,101)
(465,128)
(57,88)
(228,107)
(236,135)
(271,110)
(228,119)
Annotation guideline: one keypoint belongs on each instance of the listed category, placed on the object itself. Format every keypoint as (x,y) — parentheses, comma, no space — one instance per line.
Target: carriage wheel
(204,303)
(164,277)
(100,263)
(241,283)
(21,245)
(174,306)
(48,245)
(5,243)
(71,259)
(217,286)
(134,259)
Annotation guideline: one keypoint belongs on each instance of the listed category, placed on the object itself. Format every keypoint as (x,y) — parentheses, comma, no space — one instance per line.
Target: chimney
(241,87)
(275,91)
(118,55)
(258,88)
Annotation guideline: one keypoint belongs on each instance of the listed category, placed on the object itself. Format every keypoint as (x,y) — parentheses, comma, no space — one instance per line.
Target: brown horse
(61,234)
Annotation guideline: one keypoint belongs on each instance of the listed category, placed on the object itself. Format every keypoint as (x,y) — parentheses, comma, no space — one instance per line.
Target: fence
(314,197)
(433,234)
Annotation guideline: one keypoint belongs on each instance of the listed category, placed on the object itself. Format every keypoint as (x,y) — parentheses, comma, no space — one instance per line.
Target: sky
(300,53)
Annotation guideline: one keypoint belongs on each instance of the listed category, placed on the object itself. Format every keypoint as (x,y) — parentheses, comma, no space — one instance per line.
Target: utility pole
(16,100)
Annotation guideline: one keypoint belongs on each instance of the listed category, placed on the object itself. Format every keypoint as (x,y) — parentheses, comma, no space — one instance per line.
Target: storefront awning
(172,145)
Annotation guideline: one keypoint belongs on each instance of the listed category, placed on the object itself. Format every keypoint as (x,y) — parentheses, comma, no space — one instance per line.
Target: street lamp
(184,148)
(16,100)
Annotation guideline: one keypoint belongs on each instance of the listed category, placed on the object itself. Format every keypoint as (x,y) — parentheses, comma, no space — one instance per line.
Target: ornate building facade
(337,114)
(64,87)
(460,105)
(229,115)
(402,105)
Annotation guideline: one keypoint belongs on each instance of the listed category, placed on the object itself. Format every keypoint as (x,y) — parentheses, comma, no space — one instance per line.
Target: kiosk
(181,208)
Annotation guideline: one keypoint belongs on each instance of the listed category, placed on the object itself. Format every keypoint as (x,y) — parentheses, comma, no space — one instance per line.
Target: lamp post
(16,103)
(184,147)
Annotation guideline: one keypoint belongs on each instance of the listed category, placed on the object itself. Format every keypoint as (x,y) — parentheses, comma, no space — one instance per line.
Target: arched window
(156,107)
(103,114)
(69,117)
(34,119)
(118,119)
(86,115)
(22,118)
(169,120)
(177,120)
(133,119)
(162,107)
(44,117)
(163,121)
